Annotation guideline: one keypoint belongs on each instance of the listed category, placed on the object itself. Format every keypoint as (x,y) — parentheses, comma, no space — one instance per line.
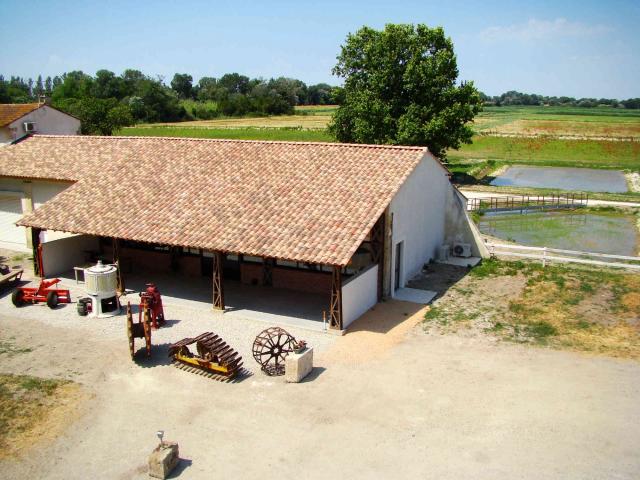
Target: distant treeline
(107,101)
(517,98)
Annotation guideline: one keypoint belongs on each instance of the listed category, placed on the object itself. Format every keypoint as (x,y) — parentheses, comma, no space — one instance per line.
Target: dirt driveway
(421,406)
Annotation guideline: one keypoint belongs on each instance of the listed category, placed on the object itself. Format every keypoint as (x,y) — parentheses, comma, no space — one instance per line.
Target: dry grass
(34,410)
(566,127)
(575,308)
(305,122)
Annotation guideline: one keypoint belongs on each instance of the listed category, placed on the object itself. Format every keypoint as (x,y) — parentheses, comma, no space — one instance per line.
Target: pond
(615,234)
(565,178)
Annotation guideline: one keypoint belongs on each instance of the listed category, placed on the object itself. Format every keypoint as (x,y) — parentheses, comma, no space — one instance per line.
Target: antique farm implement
(213,356)
(43,292)
(151,301)
(271,347)
(142,329)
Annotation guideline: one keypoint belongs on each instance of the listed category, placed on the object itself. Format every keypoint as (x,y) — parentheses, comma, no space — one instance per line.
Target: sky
(574,48)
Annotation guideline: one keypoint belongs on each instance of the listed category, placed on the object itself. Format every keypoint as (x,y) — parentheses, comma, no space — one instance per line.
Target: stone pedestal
(163,459)
(298,365)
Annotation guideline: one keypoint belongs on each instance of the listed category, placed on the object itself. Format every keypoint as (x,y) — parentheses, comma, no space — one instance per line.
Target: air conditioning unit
(29,127)
(462,250)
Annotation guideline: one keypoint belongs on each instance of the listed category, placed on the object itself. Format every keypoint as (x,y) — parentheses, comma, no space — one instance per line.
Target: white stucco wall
(40,191)
(62,255)
(418,210)
(359,294)
(48,121)
(460,228)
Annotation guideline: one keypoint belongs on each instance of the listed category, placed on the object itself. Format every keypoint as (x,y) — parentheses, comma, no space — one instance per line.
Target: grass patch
(249,133)
(26,402)
(560,306)
(10,350)
(19,257)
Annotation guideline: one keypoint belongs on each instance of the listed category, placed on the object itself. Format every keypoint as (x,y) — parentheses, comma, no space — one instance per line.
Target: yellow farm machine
(213,357)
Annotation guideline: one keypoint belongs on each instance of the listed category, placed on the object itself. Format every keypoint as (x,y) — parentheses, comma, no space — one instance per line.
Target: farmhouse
(18,120)
(340,224)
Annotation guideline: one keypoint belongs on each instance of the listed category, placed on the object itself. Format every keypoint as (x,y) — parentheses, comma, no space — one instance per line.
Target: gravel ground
(182,322)
(387,400)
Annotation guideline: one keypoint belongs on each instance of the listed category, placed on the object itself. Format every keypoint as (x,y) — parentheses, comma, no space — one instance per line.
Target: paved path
(425,406)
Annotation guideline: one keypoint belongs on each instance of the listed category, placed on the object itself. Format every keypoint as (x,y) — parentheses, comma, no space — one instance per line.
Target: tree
(74,84)
(107,85)
(182,84)
(400,88)
(234,83)
(319,94)
(99,116)
(39,88)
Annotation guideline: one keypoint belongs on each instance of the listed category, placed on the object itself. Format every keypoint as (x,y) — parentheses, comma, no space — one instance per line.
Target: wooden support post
(267,271)
(35,244)
(335,306)
(218,288)
(115,244)
(377,250)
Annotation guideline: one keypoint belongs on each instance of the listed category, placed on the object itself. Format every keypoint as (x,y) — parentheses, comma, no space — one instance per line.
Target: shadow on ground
(183,464)
(438,277)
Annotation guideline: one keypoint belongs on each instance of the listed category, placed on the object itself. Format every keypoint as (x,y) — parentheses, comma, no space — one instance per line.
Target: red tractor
(42,293)
(151,300)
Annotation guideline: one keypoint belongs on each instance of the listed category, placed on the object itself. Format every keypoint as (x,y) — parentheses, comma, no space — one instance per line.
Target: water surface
(588,232)
(565,178)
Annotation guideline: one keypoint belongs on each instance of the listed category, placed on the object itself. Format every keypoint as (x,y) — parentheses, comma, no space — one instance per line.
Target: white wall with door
(418,220)
(17,196)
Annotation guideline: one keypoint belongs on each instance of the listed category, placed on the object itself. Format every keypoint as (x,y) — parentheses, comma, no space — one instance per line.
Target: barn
(339,226)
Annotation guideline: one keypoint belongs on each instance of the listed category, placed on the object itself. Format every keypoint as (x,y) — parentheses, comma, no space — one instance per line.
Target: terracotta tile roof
(308,202)
(10,112)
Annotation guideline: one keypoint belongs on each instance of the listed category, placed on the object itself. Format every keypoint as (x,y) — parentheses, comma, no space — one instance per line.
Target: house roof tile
(312,202)
(10,112)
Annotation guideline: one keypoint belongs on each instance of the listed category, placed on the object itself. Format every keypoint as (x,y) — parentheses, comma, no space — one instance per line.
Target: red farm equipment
(43,292)
(151,300)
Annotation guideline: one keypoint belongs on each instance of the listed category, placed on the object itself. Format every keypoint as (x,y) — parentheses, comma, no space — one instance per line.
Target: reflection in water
(589,232)
(566,178)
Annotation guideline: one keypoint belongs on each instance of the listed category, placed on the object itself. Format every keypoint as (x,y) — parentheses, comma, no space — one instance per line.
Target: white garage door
(10,213)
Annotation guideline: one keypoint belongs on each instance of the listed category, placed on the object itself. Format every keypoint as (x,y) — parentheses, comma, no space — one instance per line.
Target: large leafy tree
(182,84)
(99,116)
(401,87)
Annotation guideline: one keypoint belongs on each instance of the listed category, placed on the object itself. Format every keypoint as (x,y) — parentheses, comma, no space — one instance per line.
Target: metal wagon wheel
(271,347)
(130,330)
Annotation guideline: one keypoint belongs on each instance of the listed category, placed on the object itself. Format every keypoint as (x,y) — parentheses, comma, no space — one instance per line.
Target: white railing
(546,254)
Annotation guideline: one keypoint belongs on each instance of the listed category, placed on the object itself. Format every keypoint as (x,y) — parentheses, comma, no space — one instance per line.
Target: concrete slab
(462,262)
(414,295)
(274,306)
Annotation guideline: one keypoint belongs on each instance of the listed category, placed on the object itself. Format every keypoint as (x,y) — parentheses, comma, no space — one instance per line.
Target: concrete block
(163,459)
(298,365)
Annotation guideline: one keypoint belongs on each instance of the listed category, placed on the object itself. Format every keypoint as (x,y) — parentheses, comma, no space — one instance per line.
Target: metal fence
(525,203)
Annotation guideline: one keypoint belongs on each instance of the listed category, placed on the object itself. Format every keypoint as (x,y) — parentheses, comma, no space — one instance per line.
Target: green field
(555,121)
(247,133)
(550,152)
(602,137)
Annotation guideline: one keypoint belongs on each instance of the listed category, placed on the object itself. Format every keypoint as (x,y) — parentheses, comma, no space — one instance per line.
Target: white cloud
(534,30)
